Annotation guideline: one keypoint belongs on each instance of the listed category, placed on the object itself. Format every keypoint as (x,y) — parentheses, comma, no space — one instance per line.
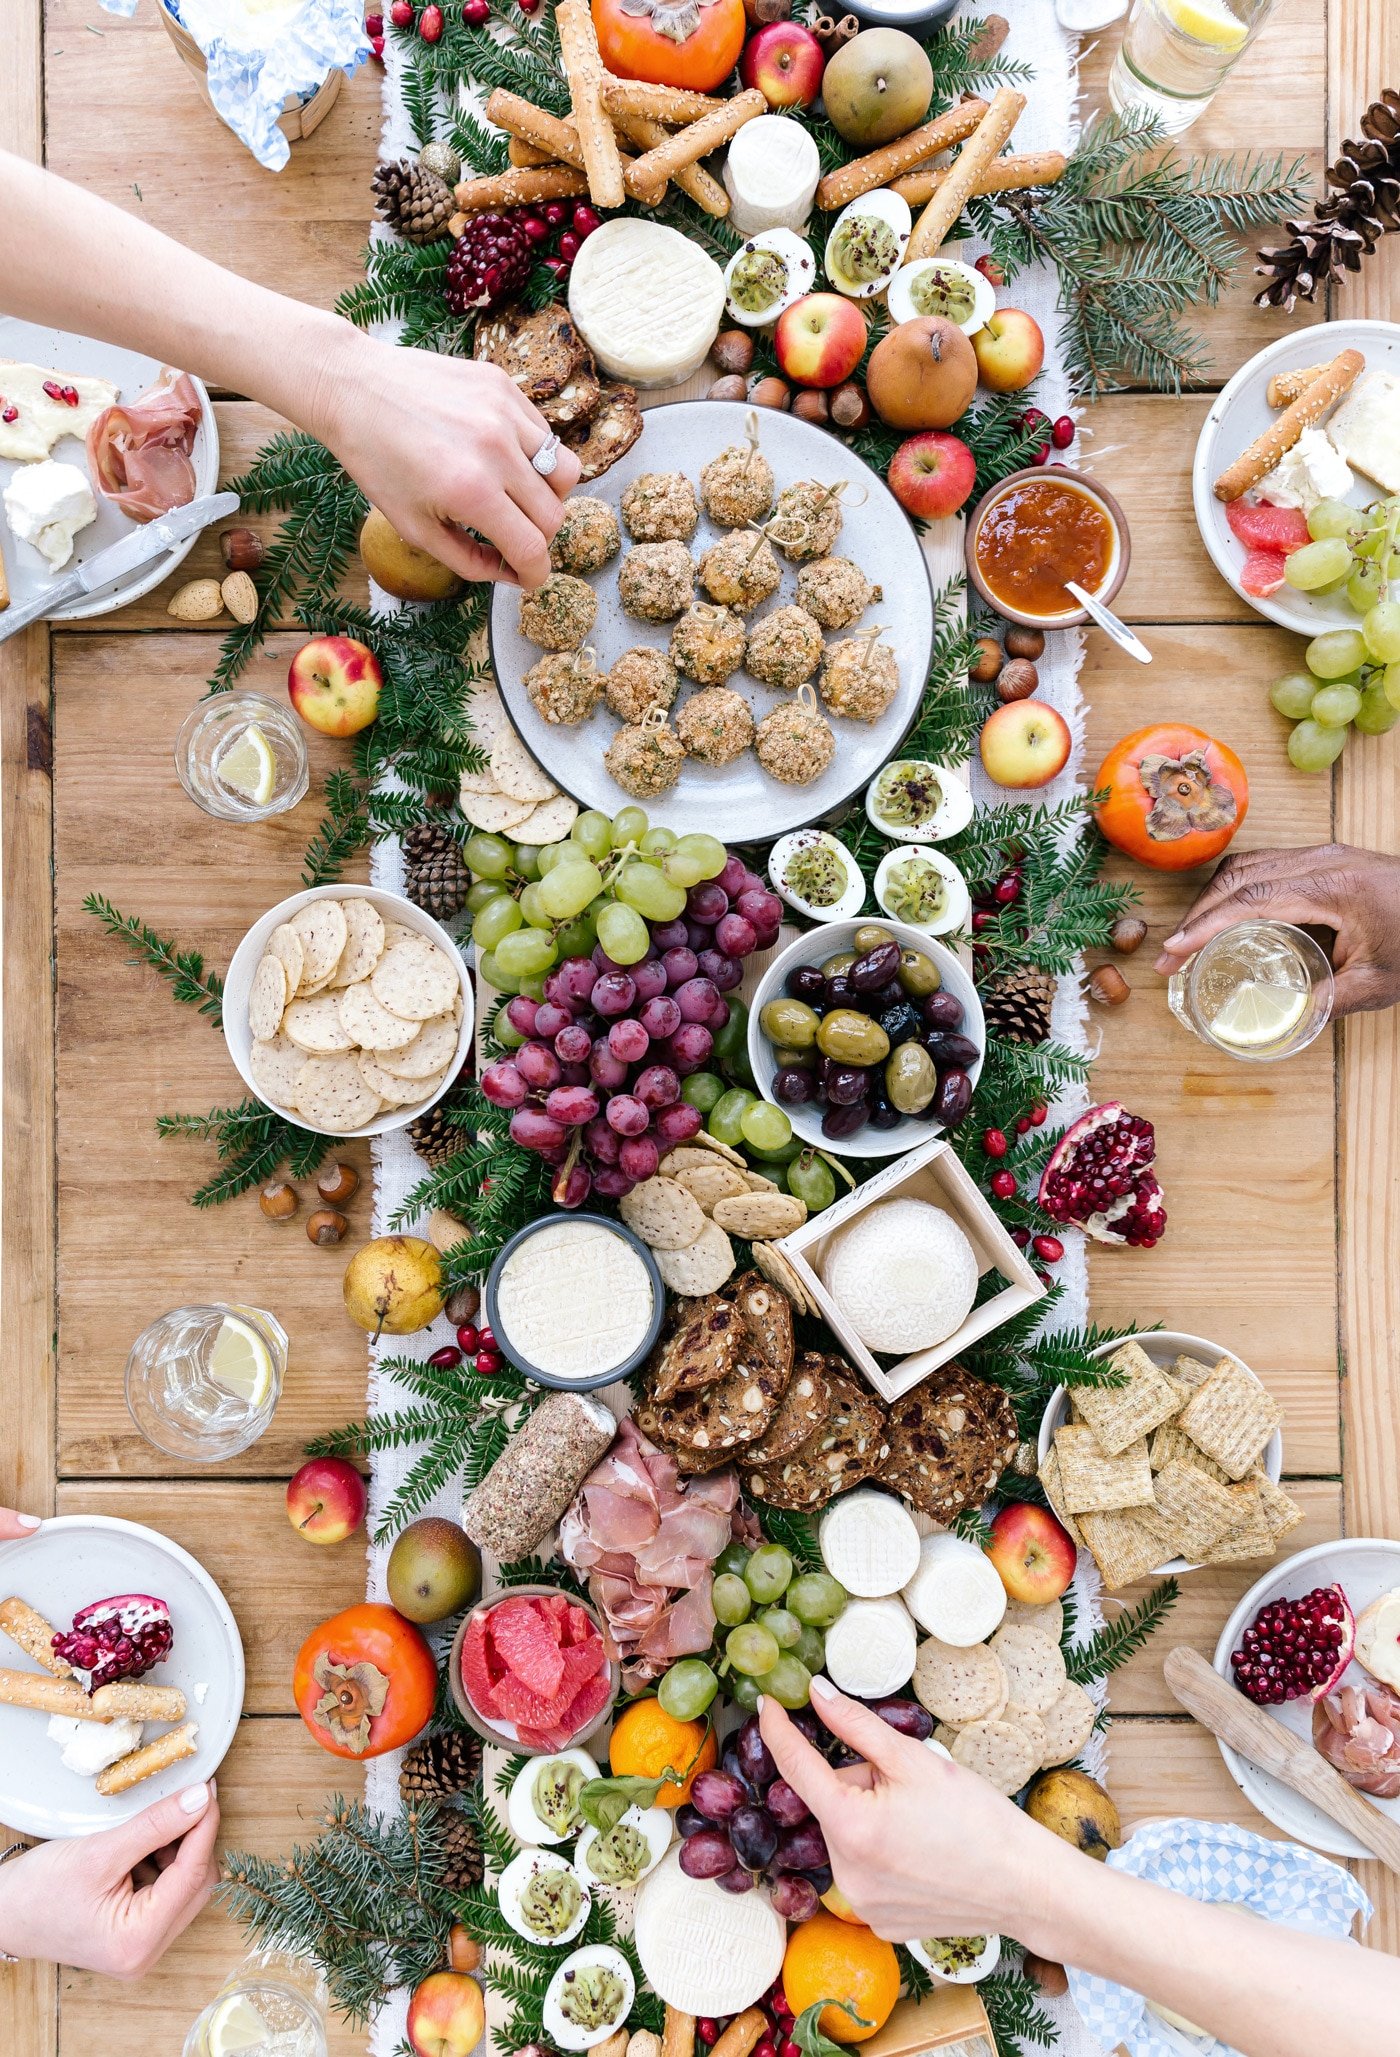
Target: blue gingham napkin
(1215,1862)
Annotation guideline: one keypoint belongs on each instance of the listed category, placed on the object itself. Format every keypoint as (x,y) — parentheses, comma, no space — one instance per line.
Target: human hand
(1354,892)
(114,1902)
(15,1527)
(442,444)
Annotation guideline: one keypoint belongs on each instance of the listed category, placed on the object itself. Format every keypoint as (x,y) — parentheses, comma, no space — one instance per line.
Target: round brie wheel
(870,1649)
(646,300)
(956,1591)
(869,1543)
(705,1951)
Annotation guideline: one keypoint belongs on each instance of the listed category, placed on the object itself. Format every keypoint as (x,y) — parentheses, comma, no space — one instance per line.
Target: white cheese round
(956,1593)
(770,173)
(869,1542)
(903,1274)
(870,1649)
(573,1299)
(705,1951)
(646,301)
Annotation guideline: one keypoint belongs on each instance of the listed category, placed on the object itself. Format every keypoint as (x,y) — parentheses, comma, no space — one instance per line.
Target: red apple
(326,1500)
(1032,1553)
(820,339)
(785,62)
(932,474)
(1024,744)
(446,2015)
(334,683)
(1010,350)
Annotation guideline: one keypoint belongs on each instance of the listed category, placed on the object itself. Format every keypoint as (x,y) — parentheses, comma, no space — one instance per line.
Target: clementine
(647,1742)
(831,1959)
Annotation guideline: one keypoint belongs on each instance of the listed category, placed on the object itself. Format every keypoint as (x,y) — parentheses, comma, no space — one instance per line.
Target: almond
(240,596)
(196,600)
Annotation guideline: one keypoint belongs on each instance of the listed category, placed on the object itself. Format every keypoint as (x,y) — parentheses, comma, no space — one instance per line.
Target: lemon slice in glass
(1254,1017)
(236,2027)
(248,766)
(1208,21)
(241,1363)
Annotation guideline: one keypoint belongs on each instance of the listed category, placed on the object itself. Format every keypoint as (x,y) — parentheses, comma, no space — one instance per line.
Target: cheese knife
(1219,1707)
(151,539)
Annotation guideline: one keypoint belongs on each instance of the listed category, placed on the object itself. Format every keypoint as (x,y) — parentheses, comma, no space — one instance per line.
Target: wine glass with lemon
(1260,990)
(242,757)
(1176,54)
(203,1382)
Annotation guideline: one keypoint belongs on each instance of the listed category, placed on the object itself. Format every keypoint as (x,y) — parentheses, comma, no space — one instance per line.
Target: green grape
(576,938)
(816,1598)
(768,1573)
(1330,518)
(622,933)
(1376,716)
(744,1692)
(784,1628)
(1311,747)
(498,920)
(642,886)
(488,856)
(682,868)
(1390,682)
(733,1557)
(1381,628)
(1368,542)
(570,887)
(532,986)
(709,850)
(656,842)
(629,825)
(788,1682)
(810,1649)
(532,908)
(774,1161)
(1365,587)
(731,1599)
(1316,563)
(550,856)
(732,1042)
(527,860)
(495,974)
(766,1127)
(1337,652)
(726,1117)
(481,892)
(592,831)
(1336,705)
(773,1171)
(525,952)
(687,1689)
(751,1649)
(811,1180)
(703,1090)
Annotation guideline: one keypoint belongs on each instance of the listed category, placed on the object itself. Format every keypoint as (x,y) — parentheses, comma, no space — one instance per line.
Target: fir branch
(182,970)
(490,1184)
(1014,2011)
(344,830)
(1113,1644)
(538,1571)
(794,1531)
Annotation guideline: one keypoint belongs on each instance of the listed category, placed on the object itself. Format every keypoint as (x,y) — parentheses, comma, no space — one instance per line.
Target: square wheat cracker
(1118,1415)
(1123,1547)
(1231,1417)
(1189,1372)
(1281,1510)
(1096,1482)
(1251,1536)
(1169,1443)
(1052,1485)
(1197,1510)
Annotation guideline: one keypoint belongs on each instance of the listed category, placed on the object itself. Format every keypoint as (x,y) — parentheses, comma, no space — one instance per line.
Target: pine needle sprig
(1113,1644)
(1014,2011)
(252,1144)
(344,829)
(182,970)
(490,1183)
(795,1532)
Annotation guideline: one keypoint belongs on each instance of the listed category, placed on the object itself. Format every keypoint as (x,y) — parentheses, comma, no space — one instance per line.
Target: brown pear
(922,375)
(401,568)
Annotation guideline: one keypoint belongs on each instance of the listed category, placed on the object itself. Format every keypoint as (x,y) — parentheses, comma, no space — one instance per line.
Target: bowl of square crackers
(348,1010)
(1175,1465)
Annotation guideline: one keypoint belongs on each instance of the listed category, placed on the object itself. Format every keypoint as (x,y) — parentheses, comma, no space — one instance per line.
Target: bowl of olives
(868,1035)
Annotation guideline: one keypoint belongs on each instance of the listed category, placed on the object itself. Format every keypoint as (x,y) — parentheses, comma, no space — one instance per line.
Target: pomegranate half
(1100,1178)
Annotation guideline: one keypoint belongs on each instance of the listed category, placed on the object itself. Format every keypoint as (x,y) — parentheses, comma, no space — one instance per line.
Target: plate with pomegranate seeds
(1316,1644)
(121,1674)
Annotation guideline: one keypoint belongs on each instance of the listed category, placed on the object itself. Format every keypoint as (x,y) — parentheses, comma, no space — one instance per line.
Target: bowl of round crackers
(348,1010)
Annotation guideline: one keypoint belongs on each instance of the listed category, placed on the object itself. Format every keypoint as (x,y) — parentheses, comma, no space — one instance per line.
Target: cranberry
(376,44)
(557,266)
(1038,1113)
(475,13)
(1004,1185)
(585,221)
(990,269)
(569,246)
(1042,455)
(707,2030)
(765,2047)
(534,225)
(488,1363)
(554,213)
(529,6)
(1008,890)
(994,1142)
(1062,434)
(788,2048)
(447,1358)
(1050,1248)
(1020,1237)
(430,24)
(1023,1124)
(374,24)
(486,1339)
(1035,418)
(468,1340)
(401,14)
(981,920)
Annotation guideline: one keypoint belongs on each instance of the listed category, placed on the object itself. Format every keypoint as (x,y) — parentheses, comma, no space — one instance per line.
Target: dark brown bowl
(1076,616)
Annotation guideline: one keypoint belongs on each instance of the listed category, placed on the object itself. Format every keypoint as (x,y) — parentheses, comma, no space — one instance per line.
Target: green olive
(852,1038)
(918,974)
(910,1079)
(842,961)
(869,936)
(790,1022)
(788,1058)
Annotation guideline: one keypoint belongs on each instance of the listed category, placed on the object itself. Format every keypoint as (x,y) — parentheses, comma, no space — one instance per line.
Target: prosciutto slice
(1358,1731)
(647,1545)
(140,453)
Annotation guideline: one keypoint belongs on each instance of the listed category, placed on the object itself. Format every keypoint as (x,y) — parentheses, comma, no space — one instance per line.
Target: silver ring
(546,458)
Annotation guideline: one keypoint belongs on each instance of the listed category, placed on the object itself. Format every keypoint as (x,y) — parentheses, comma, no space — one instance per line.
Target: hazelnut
(772,392)
(463,1949)
(1018,680)
(850,408)
(813,406)
(337,1183)
(1108,986)
(325,1226)
(730,388)
(987,664)
(1025,642)
(1128,933)
(463,1305)
(278,1200)
(733,351)
(242,549)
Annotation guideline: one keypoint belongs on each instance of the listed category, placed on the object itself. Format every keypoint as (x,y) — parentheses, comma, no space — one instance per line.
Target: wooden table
(1283,1188)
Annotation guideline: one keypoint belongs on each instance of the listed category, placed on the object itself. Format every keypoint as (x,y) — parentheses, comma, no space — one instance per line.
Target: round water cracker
(415,979)
(1034,1666)
(284,942)
(705,1141)
(267,998)
(959,1684)
(276,1064)
(663,1214)
(333,1095)
(315,1026)
(1005,1756)
(1049,1617)
(1022,1717)
(432,1049)
(494,813)
(321,930)
(709,1181)
(398,1092)
(1068,1724)
(516,773)
(364,942)
(395,931)
(371,1026)
(549,821)
(702,1267)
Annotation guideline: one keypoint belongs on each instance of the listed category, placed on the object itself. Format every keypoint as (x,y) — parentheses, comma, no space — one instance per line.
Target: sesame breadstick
(1312,403)
(1289,385)
(705,191)
(525,157)
(697,140)
(864,174)
(536,126)
(972,160)
(678,2034)
(583,67)
(659,103)
(519,186)
(129,1699)
(46,1695)
(23,1624)
(1003,175)
(166,1750)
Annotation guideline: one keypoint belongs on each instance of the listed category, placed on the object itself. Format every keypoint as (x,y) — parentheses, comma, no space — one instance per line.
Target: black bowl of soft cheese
(575,1301)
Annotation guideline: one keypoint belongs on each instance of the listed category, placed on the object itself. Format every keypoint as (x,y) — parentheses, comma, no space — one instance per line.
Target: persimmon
(690,43)
(1173,796)
(365,1681)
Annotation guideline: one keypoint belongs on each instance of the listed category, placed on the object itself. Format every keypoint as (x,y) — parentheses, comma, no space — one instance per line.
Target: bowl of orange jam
(1036,531)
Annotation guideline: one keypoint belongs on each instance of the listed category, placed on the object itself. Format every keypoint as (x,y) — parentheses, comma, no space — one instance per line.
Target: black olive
(847,1085)
(953,1098)
(943,1010)
(840,1122)
(805,982)
(876,968)
(900,1022)
(837,991)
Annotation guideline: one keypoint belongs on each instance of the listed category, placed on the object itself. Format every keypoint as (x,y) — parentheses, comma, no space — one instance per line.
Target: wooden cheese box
(952,2021)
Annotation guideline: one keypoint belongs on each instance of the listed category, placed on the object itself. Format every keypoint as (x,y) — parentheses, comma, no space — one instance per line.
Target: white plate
(1240,413)
(80,1557)
(737,801)
(1161,1345)
(130,373)
(1364,1567)
(394,907)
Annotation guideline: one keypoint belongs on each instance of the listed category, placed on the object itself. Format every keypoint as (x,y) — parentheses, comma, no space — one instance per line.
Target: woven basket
(298,117)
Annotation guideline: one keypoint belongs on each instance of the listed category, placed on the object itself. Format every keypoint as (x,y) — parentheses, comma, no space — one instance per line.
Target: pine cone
(435,872)
(462,1851)
(414,202)
(440,1767)
(1017,1005)
(433,1136)
(1344,228)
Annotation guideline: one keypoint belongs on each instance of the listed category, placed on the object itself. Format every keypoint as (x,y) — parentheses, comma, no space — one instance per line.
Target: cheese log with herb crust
(537,1474)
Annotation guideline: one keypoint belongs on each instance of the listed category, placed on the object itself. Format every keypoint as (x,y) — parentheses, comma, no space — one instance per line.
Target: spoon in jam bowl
(1108,621)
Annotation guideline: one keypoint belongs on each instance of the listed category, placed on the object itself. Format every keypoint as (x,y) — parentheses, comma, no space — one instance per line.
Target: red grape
(657,1086)
(907,1717)
(549,1019)
(689,1820)
(785,1804)
(661,1016)
(706,1855)
(613,995)
(502,1084)
(668,935)
(649,978)
(612,1183)
(678,1124)
(602,1143)
(802,1848)
(533,1130)
(754,1835)
(736,1881)
(762,908)
(571,981)
(628,1040)
(756,1762)
(574,1075)
(573,1105)
(732,878)
(752,883)
(796,1900)
(689,1048)
(696,999)
(723,972)
(627,1115)
(573,1045)
(538,1066)
(605,1069)
(521,1012)
(707,902)
(638,1157)
(698,935)
(680,963)
(570,1189)
(735,936)
(718,1794)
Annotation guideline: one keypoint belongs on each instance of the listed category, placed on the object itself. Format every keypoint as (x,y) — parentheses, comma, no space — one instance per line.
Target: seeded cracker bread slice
(1034,1666)
(850,1446)
(768,1316)
(806,1406)
(1119,1415)
(428,1052)
(945,1453)
(705,1346)
(276,1065)
(371,1026)
(267,998)
(1068,1725)
(707,1428)
(959,1684)
(702,1267)
(315,1026)
(333,1094)
(663,1214)
(284,942)
(1095,1483)
(708,1181)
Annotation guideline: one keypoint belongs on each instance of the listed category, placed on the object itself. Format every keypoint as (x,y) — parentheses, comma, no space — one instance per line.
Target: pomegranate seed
(994,1142)
(585,221)
(1038,1113)
(569,246)
(447,1358)
(1023,1124)
(1007,890)
(1062,434)
(1050,1248)
(990,269)
(401,14)
(9,413)
(374,24)
(535,227)
(1020,1237)
(64,396)
(1004,1184)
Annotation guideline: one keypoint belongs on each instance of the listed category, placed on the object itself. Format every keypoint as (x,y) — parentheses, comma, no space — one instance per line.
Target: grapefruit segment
(525,1644)
(1262,573)
(1261,527)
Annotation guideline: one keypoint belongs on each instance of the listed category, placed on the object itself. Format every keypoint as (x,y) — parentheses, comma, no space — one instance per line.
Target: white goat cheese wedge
(956,1593)
(705,1951)
(46,504)
(869,1543)
(39,420)
(90,1746)
(1366,429)
(870,1649)
(770,174)
(646,301)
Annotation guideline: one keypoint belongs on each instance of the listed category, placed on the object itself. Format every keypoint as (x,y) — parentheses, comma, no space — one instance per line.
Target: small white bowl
(394,907)
(812,948)
(851,901)
(987,1962)
(953,813)
(958,911)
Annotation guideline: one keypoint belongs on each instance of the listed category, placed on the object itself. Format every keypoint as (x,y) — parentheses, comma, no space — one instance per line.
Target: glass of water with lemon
(274,2005)
(1176,54)
(1260,990)
(241,756)
(203,1382)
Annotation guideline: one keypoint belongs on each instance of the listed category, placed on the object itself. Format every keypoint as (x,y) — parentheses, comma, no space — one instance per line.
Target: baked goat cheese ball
(740,571)
(657,581)
(835,591)
(565,687)
(737,486)
(559,614)
(794,744)
(641,679)
(645,759)
(785,648)
(860,678)
(587,537)
(660,507)
(806,520)
(715,725)
(707,644)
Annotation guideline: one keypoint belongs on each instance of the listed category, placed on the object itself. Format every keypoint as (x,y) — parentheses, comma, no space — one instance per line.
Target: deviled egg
(867,242)
(942,286)
(543,1804)
(544,1897)
(773,269)
(815,873)
(957,1960)
(622,1856)
(589,1996)
(915,801)
(917,884)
